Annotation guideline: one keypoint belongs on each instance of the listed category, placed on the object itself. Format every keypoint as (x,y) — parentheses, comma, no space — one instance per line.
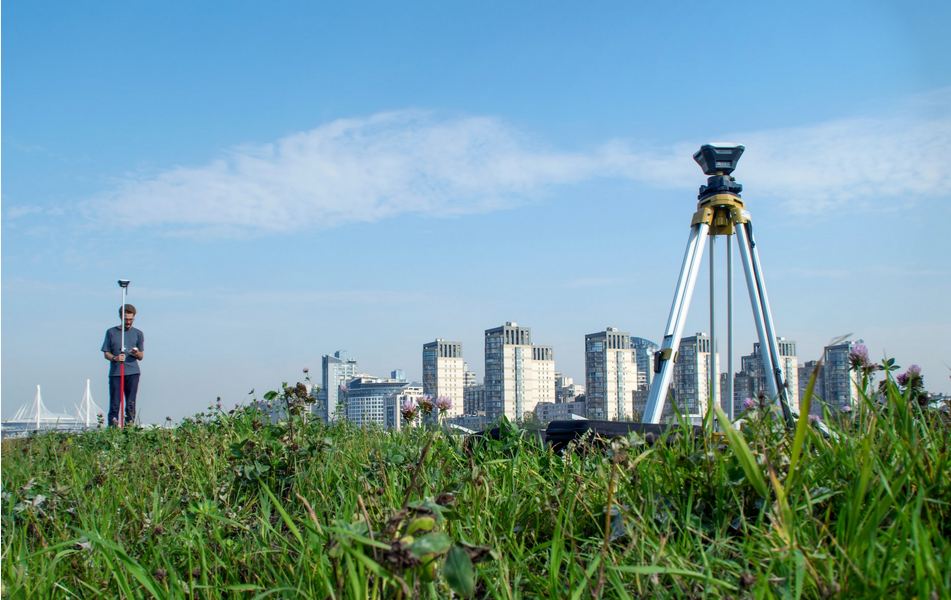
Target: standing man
(112,349)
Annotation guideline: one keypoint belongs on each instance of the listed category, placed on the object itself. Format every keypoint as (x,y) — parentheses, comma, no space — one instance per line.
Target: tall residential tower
(518,374)
(444,373)
(337,369)
(610,375)
(691,383)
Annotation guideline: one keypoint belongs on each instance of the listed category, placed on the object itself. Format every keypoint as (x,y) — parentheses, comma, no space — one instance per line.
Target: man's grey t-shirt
(113,345)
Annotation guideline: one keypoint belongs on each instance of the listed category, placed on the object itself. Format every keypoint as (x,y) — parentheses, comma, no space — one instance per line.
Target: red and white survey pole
(124,284)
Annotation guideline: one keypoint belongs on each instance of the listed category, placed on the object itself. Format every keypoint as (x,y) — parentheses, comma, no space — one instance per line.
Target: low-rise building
(548,411)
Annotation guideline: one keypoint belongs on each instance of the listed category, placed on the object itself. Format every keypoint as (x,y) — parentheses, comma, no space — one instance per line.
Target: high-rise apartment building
(750,380)
(835,385)
(473,400)
(644,352)
(690,386)
(818,390)
(518,374)
(336,370)
(610,375)
(468,377)
(444,373)
(838,383)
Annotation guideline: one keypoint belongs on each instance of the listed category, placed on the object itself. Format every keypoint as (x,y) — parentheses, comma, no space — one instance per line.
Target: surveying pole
(720,211)
(124,284)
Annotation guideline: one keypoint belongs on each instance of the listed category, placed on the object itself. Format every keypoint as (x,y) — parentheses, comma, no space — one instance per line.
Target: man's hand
(120,358)
(136,353)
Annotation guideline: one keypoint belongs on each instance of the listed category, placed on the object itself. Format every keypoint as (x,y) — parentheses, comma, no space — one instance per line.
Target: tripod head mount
(719,204)
(720,184)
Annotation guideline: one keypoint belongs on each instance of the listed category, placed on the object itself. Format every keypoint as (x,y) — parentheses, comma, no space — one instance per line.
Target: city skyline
(279,182)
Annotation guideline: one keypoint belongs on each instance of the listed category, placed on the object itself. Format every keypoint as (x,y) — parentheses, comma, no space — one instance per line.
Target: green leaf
(240,587)
(421,524)
(458,571)
(270,395)
(743,453)
(431,543)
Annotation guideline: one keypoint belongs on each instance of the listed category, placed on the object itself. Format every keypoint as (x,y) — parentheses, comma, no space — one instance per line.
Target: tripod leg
(664,364)
(713,375)
(729,329)
(775,378)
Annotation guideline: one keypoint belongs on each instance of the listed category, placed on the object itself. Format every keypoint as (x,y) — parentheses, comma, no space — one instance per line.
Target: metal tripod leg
(675,324)
(775,378)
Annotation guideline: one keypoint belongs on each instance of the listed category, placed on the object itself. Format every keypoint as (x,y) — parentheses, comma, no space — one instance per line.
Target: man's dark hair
(129,310)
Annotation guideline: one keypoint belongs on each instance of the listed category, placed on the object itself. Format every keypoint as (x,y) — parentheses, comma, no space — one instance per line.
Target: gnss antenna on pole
(124,284)
(720,212)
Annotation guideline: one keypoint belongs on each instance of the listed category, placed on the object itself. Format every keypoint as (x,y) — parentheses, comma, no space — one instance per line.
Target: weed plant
(236,507)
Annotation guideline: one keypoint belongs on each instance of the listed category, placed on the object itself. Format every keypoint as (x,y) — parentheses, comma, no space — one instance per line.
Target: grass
(235,508)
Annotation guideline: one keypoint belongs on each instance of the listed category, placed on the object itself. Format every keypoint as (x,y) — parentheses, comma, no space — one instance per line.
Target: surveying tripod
(720,211)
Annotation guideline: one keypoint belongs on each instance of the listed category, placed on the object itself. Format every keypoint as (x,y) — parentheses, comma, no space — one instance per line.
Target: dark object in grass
(502,434)
(595,434)
(598,433)
(496,433)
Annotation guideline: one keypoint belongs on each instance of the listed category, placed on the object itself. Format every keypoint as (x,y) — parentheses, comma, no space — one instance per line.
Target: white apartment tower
(337,369)
(518,374)
(610,375)
(444,373)
(690,387)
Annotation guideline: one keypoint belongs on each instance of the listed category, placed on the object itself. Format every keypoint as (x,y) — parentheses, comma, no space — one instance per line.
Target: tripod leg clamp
(662,355)
(703,215)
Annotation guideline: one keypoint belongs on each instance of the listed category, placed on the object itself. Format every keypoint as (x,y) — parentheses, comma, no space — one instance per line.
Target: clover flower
(343,389)
(443,403)
(914,370)
(306,370)
(902,379)
(218,405)
(749,404)
(409,409)
(426,404)
(814,419)
(858,356)
(847,408)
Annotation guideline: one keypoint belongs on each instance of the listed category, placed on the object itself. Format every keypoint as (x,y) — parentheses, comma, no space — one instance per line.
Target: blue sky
(282,180)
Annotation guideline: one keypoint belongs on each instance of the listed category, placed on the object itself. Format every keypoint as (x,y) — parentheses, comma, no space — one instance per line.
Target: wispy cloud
(15,212)
(368,169)
(859,163)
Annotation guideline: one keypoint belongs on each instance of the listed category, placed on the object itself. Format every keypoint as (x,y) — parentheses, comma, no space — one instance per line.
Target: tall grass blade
(743,454)
(802,425)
